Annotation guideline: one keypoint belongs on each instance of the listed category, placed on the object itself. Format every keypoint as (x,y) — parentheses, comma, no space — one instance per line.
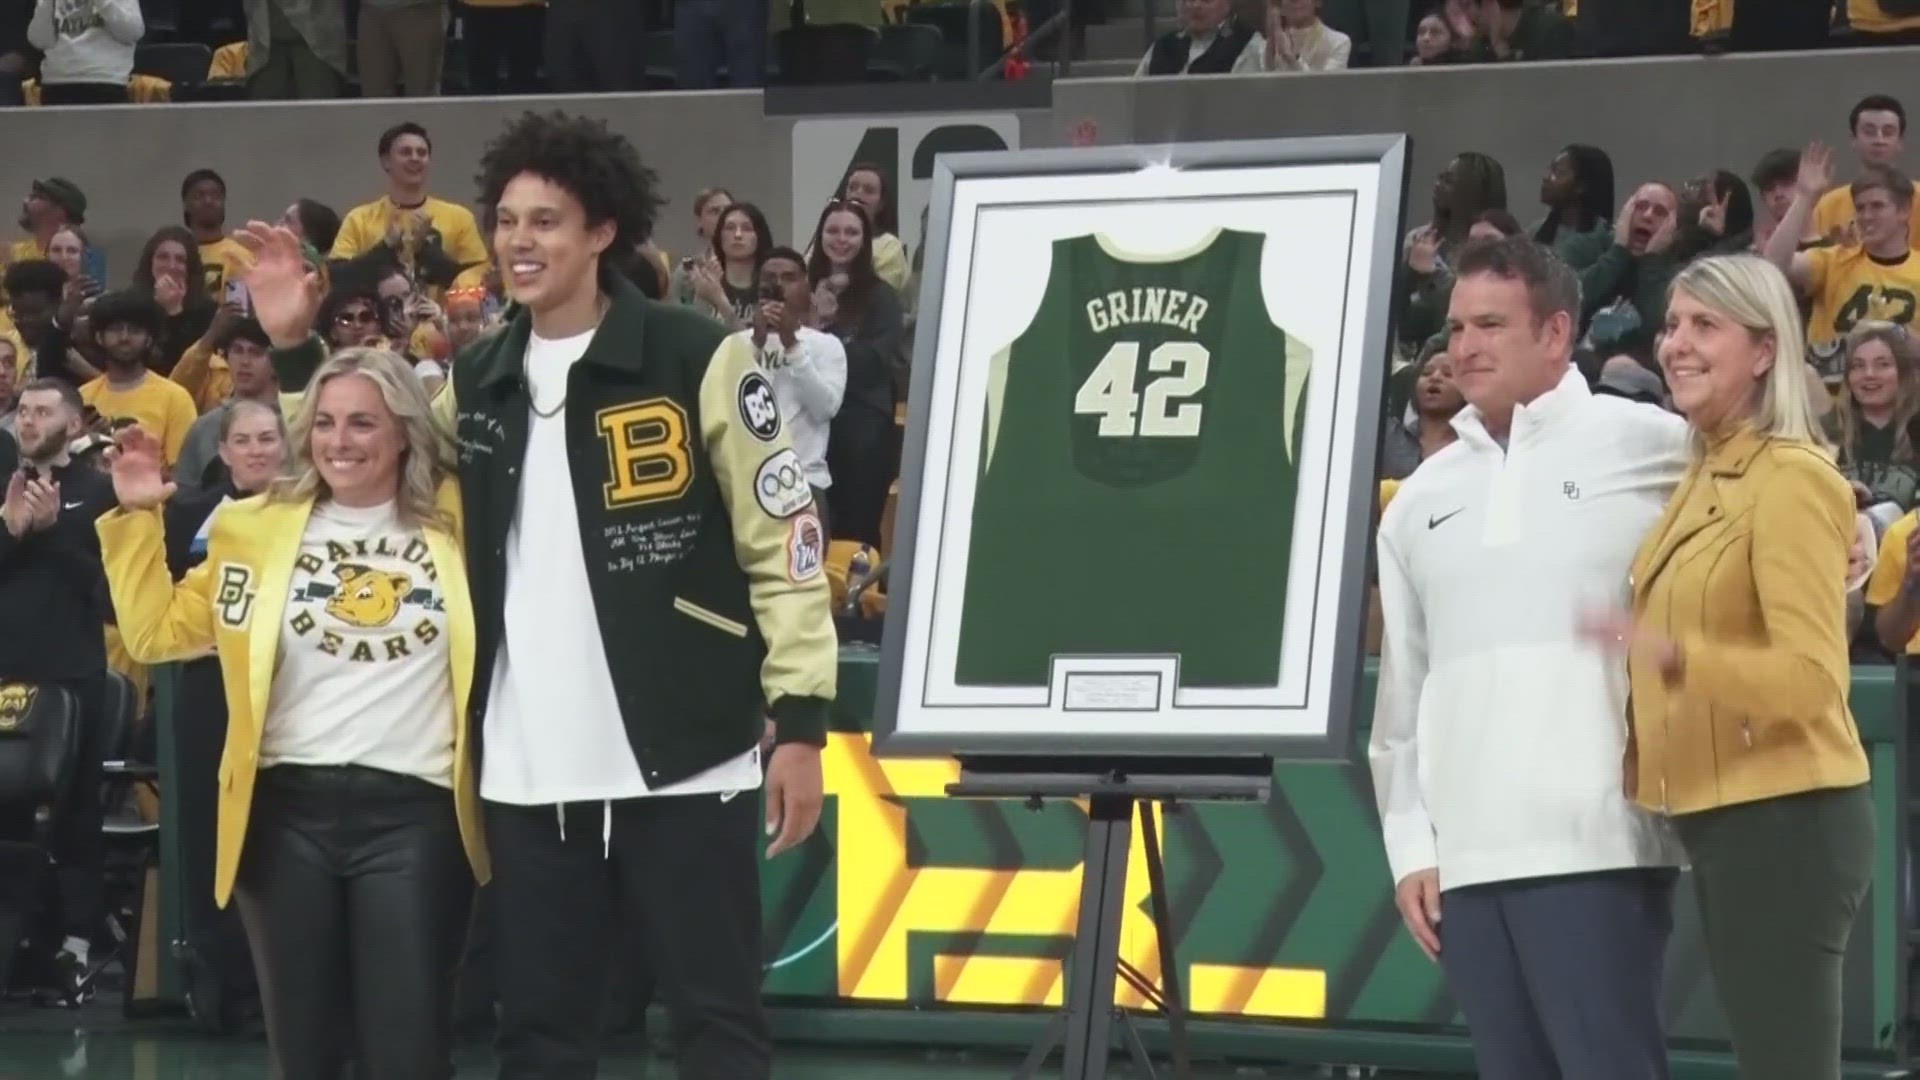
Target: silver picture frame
(1315,721)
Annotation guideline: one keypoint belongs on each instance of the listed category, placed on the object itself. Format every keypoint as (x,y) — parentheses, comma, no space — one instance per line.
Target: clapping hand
(31,505)
(170,292)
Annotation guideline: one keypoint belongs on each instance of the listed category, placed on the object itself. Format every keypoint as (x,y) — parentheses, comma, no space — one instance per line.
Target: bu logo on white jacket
(1498,733)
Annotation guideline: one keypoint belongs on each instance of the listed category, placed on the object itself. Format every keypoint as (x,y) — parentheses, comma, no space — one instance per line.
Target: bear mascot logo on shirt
(368,598)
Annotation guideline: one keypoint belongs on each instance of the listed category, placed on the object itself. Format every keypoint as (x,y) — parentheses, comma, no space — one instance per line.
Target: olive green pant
(1779,883)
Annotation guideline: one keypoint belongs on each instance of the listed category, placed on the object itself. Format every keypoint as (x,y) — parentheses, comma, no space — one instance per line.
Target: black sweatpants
(1559,977)
(685,869)
(355,891)
(1780,882)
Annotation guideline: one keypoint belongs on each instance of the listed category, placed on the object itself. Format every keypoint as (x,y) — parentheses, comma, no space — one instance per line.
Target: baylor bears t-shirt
(363,677)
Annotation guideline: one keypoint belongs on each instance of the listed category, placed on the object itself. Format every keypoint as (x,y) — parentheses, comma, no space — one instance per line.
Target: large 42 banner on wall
(1136,493)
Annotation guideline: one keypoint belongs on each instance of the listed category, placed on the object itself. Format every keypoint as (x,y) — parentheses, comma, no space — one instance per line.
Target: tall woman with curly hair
(647,593)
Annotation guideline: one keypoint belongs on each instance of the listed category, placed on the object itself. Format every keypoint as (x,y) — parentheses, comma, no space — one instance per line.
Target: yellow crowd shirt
(160,405)
(1849,286)
(366,225)
(1834,212)
(1711,17)
(222,259)
(1890,570)
(1868,17)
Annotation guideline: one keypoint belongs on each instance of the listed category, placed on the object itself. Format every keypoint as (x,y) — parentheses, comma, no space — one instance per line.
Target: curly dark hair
(597,166)
(196,282)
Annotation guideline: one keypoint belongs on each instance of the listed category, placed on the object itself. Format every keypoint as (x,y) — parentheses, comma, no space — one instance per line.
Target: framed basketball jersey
(1145,406)
(1136,494)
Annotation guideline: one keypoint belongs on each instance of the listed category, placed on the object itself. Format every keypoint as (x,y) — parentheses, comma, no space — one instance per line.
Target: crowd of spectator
(55,52)
(1849,250)
(173,344)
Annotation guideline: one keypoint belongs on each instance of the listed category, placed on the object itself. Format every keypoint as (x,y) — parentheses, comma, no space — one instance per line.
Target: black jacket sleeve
(876,350)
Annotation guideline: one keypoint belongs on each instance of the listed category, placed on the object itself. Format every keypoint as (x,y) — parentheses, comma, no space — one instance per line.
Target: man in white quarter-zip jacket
(1499,734)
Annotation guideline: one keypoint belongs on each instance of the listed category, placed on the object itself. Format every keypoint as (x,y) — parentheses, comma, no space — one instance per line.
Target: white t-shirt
(363,677)
(808,381)
(553,731)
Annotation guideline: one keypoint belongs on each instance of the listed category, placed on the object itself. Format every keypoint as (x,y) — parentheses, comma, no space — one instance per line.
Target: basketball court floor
(97,1043)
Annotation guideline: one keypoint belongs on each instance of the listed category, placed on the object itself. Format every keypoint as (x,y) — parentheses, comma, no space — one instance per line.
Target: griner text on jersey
(1147,304)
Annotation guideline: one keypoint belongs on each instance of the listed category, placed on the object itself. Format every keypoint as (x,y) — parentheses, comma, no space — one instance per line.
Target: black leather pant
(355,893)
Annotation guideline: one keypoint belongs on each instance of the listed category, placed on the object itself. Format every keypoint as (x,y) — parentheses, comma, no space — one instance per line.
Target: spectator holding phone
(807,367)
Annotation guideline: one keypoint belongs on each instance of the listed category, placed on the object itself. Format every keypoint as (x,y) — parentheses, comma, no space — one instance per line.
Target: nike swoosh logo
(70,506)
(1436,522)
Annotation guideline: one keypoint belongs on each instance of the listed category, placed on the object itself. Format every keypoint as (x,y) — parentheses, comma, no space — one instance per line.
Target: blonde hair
(425,460)
(1754,293)
(1847,420)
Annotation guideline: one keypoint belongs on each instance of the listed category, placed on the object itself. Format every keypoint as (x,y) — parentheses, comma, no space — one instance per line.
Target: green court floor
(98,1043)
(50,1056)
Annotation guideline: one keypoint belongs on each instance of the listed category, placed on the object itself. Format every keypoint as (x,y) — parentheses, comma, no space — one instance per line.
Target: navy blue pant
(1559,978)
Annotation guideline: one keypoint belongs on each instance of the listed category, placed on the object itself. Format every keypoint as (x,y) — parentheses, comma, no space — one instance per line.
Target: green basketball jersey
(1138,471)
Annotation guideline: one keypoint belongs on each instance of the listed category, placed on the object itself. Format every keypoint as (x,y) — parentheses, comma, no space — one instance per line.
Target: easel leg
(1091,977)
(1175,1004)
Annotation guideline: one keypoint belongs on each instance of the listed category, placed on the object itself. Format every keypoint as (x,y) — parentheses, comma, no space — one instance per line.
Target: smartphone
(772,292)
(237,294)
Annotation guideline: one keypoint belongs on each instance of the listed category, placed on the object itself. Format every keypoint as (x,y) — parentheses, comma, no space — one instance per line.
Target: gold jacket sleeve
(160,621)
(783,561)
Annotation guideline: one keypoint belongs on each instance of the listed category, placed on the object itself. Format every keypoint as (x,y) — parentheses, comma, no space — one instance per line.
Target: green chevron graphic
(1300,883)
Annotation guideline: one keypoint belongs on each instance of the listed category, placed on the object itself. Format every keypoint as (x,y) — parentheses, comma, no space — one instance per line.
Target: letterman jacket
(704,564)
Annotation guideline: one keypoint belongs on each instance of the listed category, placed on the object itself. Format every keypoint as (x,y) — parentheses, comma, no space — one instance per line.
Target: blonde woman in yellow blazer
(1737,652)
(349,830)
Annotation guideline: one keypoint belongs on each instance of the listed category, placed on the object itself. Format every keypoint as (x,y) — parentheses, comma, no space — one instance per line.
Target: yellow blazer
(1760,708)
(232,604)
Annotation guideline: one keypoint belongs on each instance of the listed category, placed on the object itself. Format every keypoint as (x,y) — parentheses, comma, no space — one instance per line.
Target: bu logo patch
(234,598)
(1570,489)
(806,549)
